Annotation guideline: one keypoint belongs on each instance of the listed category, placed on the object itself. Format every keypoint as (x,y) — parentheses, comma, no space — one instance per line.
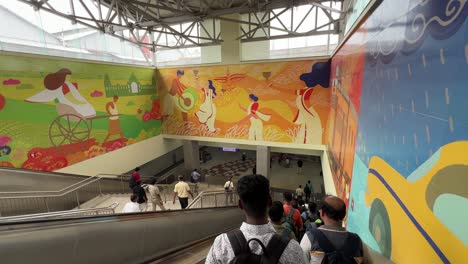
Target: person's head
(180,73)
(133,198)
(301,202)
(333,210)
(313,208)
(308,181)
(152,181)
(210,86)
(181,178)
(230,178)
(295,204)
(300,186)
(194,169)
(254,196)
(116,98)
(276,212)
(253,98)
(53,81)
(287,197)
(137,169)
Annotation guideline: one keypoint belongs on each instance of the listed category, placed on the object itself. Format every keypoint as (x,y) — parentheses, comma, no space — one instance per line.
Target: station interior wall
(398,130)
(391,115)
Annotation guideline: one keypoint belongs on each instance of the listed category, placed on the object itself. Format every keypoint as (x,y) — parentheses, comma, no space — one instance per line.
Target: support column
(263,160)
(191,155)
(230,47)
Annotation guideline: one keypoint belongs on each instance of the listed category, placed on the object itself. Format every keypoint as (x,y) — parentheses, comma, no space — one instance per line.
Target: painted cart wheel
(68,129)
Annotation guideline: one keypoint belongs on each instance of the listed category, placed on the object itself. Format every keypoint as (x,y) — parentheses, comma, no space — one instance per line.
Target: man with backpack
(276,214)
(135,178)
(229,191)
(308,189)
(292,216)
(141,194)
(310,218)
(331,243)
(300,163)
(256,240)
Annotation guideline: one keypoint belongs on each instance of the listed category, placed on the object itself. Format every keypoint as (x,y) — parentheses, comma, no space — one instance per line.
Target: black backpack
(271,254)
(131,182)
(344,255)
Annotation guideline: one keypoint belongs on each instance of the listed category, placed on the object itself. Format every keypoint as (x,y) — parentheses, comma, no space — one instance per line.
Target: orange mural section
(346,83)
(276,102)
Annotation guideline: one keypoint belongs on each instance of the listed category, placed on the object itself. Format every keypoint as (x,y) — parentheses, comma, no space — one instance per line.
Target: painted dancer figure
(310,131)
(175,92)
(207,112)
(57,86)
(255,117)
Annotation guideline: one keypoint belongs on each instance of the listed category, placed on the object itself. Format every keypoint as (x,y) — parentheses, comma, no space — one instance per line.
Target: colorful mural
(408,197)
(53,113)
(281,102)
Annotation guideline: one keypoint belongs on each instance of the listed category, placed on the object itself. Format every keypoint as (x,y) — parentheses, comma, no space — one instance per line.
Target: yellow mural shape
(279,102)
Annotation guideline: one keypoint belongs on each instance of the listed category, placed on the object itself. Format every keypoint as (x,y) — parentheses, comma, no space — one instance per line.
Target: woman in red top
(255,117)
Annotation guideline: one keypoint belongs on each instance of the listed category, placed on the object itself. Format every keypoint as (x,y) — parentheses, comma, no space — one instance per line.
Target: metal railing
(108,210)
(21,203)
(210,199)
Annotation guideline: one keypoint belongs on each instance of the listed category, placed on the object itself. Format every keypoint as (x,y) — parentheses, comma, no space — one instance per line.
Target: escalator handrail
(83,182)
(107,217)
(59,214)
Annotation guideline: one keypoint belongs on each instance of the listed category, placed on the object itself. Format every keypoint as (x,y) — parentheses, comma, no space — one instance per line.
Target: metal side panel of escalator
(123,238)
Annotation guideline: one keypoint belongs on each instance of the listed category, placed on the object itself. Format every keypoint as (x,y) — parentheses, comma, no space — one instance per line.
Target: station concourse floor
(280,176)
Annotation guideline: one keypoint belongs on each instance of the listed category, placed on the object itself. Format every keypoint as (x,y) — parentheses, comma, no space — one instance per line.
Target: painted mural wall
(54,113)
(398,125)
(280,101)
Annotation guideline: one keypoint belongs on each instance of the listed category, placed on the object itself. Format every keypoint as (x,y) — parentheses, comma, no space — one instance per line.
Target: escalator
(151,237)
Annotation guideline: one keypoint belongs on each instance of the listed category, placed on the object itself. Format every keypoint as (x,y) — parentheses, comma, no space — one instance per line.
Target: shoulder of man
(293,254)
(221,251)
(315,246)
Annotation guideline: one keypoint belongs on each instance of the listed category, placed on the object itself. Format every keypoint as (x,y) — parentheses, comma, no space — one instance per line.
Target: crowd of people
(286,232)
(294,230)
(147,194)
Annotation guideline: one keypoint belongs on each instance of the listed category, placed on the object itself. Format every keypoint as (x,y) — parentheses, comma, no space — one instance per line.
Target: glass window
(301,20)
(45,33)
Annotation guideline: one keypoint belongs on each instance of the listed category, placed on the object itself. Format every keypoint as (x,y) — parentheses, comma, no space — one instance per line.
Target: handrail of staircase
(202,195)
(78,212)
(21,193)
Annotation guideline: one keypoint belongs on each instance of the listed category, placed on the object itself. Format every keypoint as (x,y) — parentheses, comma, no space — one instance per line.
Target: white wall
(328,181)
(124,159)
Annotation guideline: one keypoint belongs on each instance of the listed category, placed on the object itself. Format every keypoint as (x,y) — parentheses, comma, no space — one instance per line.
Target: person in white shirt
(229,190)
(195,178)
(254,201)
(132,206)
(299,193)
(154,195)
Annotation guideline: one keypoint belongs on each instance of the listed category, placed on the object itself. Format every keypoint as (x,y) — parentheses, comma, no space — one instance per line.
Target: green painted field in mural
(55,113)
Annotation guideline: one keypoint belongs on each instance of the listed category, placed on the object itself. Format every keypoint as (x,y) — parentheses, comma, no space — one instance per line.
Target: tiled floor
(280,176)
